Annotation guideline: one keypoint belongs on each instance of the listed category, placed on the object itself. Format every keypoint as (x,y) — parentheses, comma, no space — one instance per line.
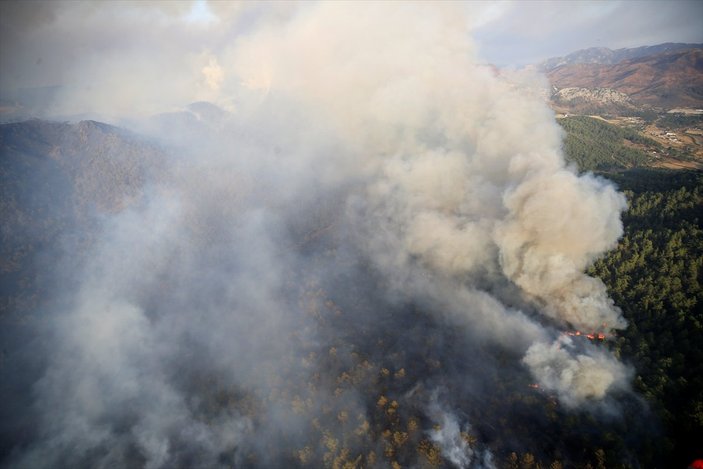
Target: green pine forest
(654,276)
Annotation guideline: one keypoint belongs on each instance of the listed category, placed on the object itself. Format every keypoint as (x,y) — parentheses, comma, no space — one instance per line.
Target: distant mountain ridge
(606,56)
(664,76)
(102,166)
(57,181)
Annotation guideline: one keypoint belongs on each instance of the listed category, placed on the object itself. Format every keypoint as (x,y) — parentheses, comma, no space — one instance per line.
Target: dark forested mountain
(58,181)
(56,177)
(105,165)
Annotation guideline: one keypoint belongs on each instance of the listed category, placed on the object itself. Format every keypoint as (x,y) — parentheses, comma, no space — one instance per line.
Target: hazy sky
(512,33)
(118,57)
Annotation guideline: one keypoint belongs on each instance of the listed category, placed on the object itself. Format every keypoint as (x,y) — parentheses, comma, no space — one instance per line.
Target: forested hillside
(654,275)
(376,413)
(594,144)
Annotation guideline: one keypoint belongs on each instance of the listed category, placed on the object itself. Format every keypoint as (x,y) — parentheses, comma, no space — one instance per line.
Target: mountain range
(665,76)
(606,56)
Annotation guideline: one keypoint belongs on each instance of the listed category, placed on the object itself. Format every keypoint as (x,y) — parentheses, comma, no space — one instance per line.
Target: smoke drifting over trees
(378,225)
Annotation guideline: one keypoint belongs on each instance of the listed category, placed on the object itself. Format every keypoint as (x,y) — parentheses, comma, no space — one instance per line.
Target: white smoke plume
(468,178)
(454,441)
(576,377)
(558,224)
(368,126)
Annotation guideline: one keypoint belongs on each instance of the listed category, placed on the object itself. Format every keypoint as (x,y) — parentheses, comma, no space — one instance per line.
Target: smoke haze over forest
(356,208)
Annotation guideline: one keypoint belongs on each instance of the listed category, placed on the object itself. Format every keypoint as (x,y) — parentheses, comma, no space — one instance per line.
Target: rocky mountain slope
(664,80)
(592,101)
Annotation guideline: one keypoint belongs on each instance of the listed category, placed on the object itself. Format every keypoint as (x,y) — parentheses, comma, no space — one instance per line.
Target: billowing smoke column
(365,132)
(466,177)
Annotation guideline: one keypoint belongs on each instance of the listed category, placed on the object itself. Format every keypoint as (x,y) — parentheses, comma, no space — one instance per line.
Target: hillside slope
(58,179)
(666,80)
(55,178)
(604,55)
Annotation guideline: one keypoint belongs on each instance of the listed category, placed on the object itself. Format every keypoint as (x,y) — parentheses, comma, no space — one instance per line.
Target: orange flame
(589,336)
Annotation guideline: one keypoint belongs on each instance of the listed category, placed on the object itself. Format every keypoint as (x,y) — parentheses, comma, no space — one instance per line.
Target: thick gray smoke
(362,144)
